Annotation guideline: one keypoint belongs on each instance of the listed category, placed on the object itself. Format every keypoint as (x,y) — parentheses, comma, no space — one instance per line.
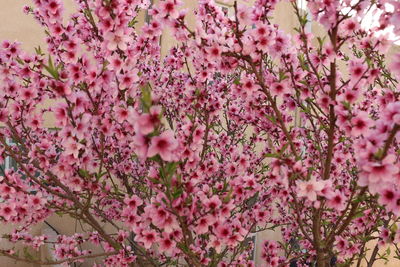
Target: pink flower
(121,114)
(223,231)
(166,243)
(8,210)
(3,114)
(361,123)
(310,189)
(392,113)
(248,84)
(349,26)
(357,70)
(169,7)
(141,145)
(133,202)
(148,121)
(72,147)
(147,237)
(60,113)
(388,197)
(337,201)
(127,80)
(279,89)
(158,216)
(163,145)
(117,39)
(378,172)
(204,223)
(244,14)
(212,203)
(215,243)
(395,65)
(214,52)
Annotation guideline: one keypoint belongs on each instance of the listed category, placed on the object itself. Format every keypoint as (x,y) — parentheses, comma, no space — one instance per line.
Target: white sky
(370,20)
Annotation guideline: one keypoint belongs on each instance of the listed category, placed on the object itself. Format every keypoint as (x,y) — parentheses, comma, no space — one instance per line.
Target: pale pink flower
(166,243)
(337,201)
(310,189)
(377,172)
(395,65)
(212,203)
(357,69)
(117,39)
(121,114)
(203,224)
(214,52)
(148,121)
(147,237)
(133,202)
(361,123)
(279,89)
(72,147)
(169,7)
(8,210)
(141,145)
(163,145)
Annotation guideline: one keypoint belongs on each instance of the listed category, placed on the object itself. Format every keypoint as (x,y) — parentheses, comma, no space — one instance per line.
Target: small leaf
(177,193)
(84,173)
(51,69)
(146,98)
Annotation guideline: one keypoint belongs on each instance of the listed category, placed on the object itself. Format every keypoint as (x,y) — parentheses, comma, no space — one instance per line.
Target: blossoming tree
(240,128)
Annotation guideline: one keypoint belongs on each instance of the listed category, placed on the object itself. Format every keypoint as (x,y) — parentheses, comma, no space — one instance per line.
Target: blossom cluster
(239,128)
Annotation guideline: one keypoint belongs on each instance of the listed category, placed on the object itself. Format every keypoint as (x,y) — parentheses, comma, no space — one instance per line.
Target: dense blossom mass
(178,159)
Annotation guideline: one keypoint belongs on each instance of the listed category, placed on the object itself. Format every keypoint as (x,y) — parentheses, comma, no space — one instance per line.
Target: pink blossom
(361,123)
(204,223)
(337,201)
(8,211)
(133,202)
(395,64)
(147,237)
(72,147)
(148,121)
(357,70)
(279,88)
(310,189)
(169,7)
(163,145)
(378,172)
(117,39)
(212,203)
(166,244)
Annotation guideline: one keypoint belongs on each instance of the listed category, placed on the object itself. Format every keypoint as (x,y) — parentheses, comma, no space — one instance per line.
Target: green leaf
(321,41)
(282,76)
(132,23)
(171,168)
(271,155)
(271,118)
(53,71)
(146,98)
(177,193)
(283,149)
(38,51)
(27,254)
(84,173)
(394,228)
(388,250)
